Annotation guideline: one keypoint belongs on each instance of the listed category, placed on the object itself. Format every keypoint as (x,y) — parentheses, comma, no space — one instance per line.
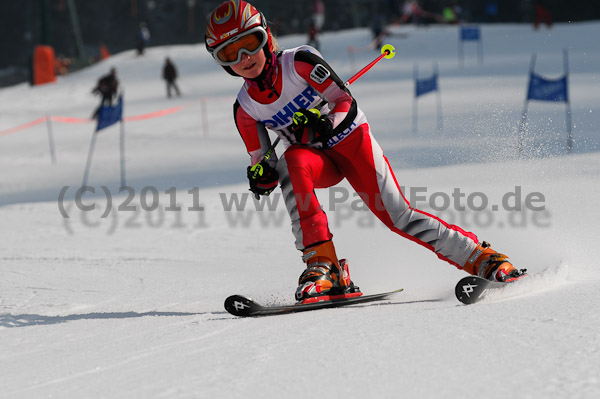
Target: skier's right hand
(263,178)
(311,120)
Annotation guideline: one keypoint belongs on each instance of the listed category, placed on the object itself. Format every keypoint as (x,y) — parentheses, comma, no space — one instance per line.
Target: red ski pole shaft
(387,51)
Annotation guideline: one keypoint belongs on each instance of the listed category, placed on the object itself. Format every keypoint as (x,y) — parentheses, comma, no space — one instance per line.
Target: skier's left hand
(312,119)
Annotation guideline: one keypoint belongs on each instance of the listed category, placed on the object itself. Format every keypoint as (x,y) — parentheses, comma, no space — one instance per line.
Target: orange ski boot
(324,275)
(491,265)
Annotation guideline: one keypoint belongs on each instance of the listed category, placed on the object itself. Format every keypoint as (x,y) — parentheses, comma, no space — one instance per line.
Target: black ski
(242,306)
(473,289)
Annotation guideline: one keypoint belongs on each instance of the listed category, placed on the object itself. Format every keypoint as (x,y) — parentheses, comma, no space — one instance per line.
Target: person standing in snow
(313,40)
(316,22)
(318,15)
(142,37)
(542,15)
(451,13)
(169,74)
(378,30)
(322,148)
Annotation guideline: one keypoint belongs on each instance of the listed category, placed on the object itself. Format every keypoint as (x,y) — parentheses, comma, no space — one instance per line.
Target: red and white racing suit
(302,79)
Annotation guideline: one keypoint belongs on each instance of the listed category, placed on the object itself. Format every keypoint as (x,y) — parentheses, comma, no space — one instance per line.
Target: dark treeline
(25,23)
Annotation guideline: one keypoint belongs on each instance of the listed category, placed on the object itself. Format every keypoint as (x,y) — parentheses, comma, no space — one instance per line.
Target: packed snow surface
(128,302)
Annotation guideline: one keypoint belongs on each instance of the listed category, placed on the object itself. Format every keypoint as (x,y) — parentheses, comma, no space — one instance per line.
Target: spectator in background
(412,11)
(169,74)
(142,38)
(317,20)
(313,40)
(106,87)
(542,15)
(62,64)
(451,13)
(318,15)
(378,30)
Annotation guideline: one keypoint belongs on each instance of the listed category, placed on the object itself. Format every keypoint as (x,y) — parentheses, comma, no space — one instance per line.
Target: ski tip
(239,305)
(472,289)
(389,51)
(391,293)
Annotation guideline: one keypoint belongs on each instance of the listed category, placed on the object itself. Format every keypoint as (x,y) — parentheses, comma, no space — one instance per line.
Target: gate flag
(424,86)
(110,114)
(469,33)
(542,89)
(553,90)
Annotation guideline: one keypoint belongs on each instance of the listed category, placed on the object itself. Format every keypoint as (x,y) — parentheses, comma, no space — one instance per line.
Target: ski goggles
(230,52)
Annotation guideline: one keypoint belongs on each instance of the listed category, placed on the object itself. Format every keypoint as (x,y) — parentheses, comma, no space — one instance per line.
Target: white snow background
(131,305)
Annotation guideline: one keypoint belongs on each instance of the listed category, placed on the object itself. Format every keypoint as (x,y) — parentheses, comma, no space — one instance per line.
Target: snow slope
(130,305)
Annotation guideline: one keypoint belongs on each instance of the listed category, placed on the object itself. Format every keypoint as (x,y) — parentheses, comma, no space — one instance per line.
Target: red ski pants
(360,160)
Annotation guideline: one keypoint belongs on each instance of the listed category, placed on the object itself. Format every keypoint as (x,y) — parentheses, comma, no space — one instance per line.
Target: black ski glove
(263,178)
(312,119)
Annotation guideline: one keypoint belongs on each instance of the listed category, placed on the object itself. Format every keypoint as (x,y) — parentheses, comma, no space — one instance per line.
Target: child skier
(322,149)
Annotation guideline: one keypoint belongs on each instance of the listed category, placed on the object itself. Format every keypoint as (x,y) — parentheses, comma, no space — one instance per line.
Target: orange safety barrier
(69,119)
(154,114)
(43,65)
(23,126)
(104,54)
(132,118)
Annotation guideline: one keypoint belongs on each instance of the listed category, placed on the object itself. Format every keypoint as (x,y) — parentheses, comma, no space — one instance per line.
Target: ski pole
(387,51)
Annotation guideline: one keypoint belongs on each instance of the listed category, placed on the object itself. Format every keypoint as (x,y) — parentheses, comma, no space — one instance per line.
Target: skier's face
(251,65)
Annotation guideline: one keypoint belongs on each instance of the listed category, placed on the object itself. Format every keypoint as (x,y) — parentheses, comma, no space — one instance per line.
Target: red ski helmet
(233,28)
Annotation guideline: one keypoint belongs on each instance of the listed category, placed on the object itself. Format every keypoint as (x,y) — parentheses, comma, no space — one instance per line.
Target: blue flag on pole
(542,89)
(424,86)
(469,33)
(110,114)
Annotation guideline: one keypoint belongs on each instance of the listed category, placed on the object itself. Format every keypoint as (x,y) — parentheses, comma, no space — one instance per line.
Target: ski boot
(491,265)
(324,277)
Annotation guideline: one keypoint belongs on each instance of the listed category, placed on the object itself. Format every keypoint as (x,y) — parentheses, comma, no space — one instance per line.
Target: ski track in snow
(132,305)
